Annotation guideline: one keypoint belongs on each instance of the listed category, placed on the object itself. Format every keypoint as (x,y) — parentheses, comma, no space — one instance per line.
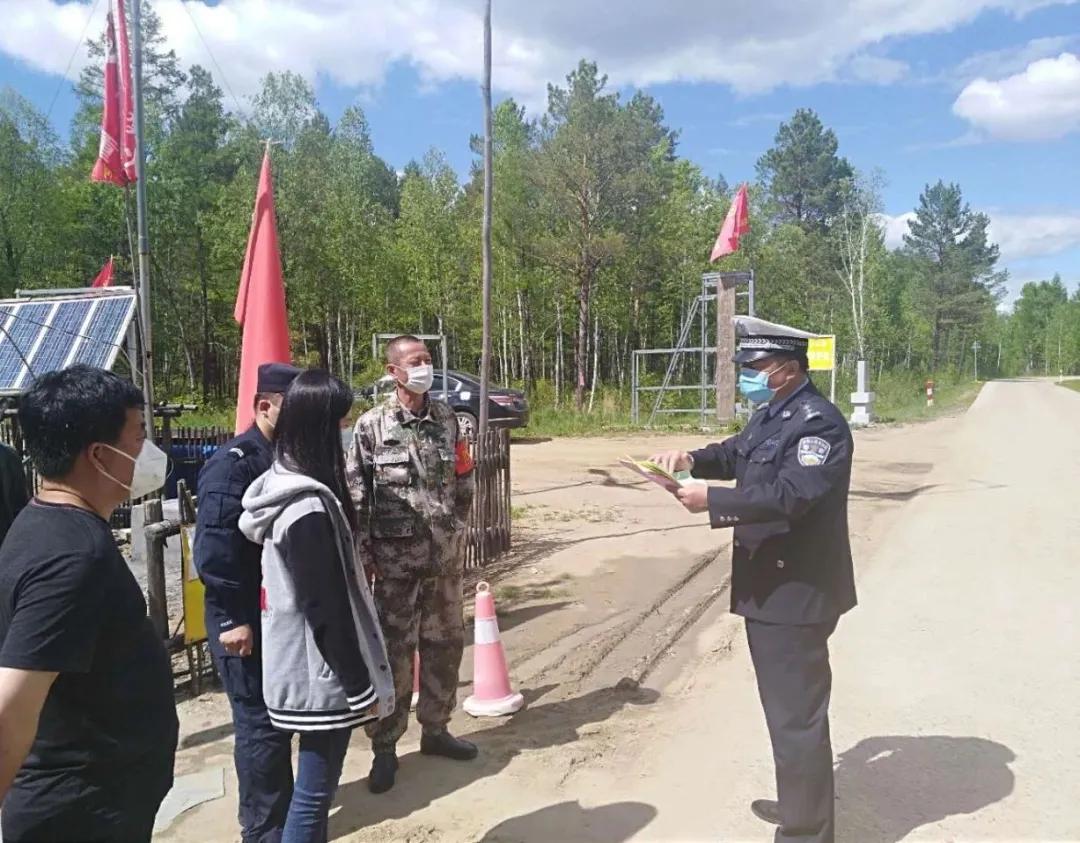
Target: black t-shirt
(106,740)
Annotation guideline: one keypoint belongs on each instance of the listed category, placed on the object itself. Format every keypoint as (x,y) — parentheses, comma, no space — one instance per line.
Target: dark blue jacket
(228,564)
(791,559)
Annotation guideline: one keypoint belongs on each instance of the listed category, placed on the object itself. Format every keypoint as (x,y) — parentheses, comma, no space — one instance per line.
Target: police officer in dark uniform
(792,574)
(229,566)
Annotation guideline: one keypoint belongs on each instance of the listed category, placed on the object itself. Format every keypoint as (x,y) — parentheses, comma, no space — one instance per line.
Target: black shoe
(383,772)
(447,746)
(767,810)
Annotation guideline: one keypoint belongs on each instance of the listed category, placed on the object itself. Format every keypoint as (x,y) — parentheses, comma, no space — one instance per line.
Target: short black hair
(395,344)
(66,411)
(803,361)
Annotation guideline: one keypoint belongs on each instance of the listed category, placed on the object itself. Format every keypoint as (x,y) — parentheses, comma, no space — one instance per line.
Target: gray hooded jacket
(324,660)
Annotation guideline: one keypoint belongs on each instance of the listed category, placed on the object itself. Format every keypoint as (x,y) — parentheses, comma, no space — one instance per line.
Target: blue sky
(985,93)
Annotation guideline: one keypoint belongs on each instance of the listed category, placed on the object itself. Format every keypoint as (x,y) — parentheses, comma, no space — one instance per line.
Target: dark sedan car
(506,407)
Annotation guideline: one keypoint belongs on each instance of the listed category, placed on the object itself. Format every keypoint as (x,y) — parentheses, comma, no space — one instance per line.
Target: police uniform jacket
(791,558)
(229,564)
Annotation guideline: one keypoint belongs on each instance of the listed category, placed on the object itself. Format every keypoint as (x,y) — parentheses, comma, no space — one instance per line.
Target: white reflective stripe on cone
(487,631)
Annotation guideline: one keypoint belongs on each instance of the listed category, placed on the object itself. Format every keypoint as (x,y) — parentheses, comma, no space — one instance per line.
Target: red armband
(464,462)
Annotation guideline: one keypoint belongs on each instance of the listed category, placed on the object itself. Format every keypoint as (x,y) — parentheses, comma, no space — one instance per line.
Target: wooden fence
(188,448)
(488,531)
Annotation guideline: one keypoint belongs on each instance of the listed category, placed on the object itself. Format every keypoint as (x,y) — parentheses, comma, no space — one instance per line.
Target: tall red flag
(736,224)
(105,277)
(109,166)
(260,301)
(127,106)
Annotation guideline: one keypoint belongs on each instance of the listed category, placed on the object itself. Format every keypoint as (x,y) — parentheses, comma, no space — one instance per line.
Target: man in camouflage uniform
(411,479)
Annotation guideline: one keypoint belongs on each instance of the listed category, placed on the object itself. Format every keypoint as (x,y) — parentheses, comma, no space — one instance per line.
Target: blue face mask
(754,385)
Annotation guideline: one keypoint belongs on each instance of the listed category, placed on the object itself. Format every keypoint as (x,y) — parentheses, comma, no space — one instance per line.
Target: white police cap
(756,339)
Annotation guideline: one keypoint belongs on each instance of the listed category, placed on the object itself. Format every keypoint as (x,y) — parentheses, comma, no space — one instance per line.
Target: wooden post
(725,350)
(155,570)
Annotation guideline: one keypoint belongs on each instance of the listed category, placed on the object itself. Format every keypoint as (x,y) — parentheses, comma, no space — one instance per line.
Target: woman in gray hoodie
(325,669)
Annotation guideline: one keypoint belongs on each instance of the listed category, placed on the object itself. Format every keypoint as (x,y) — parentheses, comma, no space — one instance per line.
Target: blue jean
(318,772)
(263,754)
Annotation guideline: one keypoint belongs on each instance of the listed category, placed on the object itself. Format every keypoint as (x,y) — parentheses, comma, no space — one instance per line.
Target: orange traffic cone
(415,679)
(492,695)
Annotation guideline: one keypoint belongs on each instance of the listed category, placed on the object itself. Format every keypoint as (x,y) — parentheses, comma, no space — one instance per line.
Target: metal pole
(485,358)
(704,329)
(445,366)
(140,210)
(750,303)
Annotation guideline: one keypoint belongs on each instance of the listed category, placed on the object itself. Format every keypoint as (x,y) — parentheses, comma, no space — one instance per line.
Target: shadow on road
(519,615)
(889,786)
(569,821)
(893,495)
(422,780)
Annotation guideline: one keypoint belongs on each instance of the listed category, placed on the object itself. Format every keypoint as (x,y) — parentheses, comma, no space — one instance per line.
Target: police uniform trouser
(426,611)
(263,754)
(794,681)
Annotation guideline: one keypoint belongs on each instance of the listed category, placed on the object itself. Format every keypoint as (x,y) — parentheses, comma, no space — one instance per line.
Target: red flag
(260,301)
(109,166)
(105,277)
(736,224)
(127,107)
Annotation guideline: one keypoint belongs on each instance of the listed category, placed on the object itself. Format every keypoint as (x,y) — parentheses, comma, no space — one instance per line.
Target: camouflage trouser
(428,608)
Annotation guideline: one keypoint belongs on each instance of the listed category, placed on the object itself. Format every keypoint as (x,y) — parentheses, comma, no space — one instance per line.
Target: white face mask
(419,378)
(151,467)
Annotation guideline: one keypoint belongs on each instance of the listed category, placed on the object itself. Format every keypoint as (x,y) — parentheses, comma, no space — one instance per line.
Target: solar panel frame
(54,333)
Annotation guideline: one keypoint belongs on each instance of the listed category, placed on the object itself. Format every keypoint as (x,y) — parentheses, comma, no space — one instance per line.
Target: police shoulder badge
(813,451)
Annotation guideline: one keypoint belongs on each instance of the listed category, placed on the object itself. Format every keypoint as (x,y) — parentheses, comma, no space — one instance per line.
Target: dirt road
(956,678)
(955,711)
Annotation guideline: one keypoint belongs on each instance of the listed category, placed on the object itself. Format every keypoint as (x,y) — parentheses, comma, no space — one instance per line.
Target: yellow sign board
(822,354)
(194,617)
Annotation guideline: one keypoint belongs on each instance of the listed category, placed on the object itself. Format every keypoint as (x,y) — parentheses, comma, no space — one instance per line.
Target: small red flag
(736,224)
(105,277)
(109,166)
(260,301)
(127,106)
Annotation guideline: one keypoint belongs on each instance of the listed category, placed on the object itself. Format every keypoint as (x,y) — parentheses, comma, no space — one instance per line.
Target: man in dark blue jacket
(228,565)
(792,574)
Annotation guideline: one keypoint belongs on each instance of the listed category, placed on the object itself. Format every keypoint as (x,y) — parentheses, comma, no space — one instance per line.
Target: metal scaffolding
(711,283)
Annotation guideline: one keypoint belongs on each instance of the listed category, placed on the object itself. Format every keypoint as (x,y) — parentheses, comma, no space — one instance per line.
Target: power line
(71,61)
(224,79)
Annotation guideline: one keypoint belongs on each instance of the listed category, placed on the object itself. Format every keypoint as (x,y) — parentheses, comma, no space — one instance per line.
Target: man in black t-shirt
(88,724)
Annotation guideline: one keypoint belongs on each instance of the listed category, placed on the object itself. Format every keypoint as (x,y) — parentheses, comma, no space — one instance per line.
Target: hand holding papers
(656,473)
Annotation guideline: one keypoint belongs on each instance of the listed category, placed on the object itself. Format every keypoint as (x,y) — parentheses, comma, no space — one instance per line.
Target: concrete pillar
(862,400)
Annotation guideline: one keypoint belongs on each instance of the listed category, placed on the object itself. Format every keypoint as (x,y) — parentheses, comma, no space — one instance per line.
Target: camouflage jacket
(411,490)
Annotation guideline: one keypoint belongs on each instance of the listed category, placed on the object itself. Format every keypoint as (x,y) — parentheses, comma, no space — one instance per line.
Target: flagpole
(485,357)
(146,346)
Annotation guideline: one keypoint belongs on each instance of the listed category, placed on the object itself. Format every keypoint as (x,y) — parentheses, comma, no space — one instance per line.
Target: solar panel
(44,334)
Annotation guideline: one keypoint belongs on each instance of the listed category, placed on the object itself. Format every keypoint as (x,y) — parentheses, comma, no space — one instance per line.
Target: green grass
(901,396)
(1074,384)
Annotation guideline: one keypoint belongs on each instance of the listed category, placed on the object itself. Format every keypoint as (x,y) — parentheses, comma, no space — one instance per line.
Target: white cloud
(876,69)
(996,64)
(1019,236)
(750,47)
(895,228)
(1040,235)
(1042,102)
